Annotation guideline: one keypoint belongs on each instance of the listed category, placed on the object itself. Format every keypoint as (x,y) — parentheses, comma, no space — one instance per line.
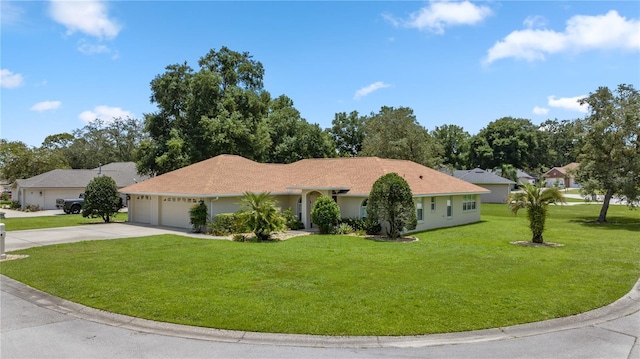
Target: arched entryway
(311,200)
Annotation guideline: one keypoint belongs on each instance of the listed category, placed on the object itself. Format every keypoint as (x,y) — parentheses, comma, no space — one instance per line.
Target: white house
(43,190)
(500,187)
(221,181)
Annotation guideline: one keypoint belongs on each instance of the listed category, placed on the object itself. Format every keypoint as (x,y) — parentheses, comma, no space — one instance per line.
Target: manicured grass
(453,279)
(67,220)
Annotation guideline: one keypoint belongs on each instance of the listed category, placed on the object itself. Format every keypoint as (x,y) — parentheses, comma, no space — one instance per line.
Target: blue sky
(64,63)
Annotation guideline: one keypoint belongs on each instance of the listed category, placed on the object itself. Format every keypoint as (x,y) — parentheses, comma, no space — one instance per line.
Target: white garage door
(174,211)
(141,206)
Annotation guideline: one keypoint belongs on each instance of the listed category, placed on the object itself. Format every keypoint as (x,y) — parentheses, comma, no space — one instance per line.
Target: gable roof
(480,176)
(124,173)
(566,168)
(230,175)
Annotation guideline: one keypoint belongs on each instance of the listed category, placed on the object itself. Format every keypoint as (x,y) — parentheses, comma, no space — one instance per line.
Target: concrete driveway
(34,324)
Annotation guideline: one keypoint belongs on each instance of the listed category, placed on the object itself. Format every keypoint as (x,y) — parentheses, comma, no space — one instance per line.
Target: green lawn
(67,220)
(453,279)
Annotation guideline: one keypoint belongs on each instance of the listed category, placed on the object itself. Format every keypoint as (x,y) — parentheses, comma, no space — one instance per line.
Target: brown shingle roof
(229,175)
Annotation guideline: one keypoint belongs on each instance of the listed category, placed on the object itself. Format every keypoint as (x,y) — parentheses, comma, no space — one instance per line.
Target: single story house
(562,177)
(220,182)
(524,177)
(43,190)
(500,187)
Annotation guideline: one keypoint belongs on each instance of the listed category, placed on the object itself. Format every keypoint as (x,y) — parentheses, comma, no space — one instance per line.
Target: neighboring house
(524,177)
(499,187)
(221,181)
(562,177)
(43,189)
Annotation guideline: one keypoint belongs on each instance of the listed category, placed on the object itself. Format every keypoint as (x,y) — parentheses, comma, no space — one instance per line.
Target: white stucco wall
(46,197)
(169,211)
(499,193)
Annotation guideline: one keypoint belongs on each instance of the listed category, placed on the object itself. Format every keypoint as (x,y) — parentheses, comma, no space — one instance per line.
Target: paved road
(37,325)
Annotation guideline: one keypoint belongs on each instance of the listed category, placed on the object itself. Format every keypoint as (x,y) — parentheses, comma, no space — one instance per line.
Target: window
(433,203)
(419,211)
(363,209)
(469,202)
(450,207)
(299,209)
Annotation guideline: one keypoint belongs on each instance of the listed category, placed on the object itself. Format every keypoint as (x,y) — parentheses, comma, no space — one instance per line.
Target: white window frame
(419,210)
(433,204)
(469,202)
(450,207)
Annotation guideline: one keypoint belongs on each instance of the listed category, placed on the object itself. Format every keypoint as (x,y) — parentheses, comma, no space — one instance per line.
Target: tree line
(222,108)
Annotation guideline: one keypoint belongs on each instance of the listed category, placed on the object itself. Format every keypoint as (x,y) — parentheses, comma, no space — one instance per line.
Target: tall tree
(101,199)
(17,160)
(292,137)
(455,143)
(347,132)
(563,141)
(223,108)
(610,157)
(508,140)
(395,133)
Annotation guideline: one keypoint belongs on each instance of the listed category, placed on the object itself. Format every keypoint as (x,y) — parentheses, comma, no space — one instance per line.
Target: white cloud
(89,49)
(540,110)
(89,17)
(10,80)
(438,15)
(11,14)
(582,33)
(568,103)
(369,89)
(105,113)
(46,106)
(535,22)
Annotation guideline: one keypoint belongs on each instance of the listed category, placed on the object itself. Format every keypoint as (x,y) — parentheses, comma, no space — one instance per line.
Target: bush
(261,214)
(15,205)
(391,201)
(224,224)
(240,238)
(344,228)
(355,223)
(325,214)
(32,208)
(372,227)
(291,220)
(198,216)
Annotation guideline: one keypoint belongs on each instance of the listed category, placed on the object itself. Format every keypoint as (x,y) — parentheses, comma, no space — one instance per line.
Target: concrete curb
(627,305)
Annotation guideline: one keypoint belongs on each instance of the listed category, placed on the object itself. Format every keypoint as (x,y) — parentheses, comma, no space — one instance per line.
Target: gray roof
(124,173)
(480,176)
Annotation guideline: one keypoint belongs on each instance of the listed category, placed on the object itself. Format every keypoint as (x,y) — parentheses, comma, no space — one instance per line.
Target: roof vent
(420,176)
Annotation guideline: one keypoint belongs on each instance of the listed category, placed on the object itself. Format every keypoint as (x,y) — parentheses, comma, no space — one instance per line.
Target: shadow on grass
(613,222)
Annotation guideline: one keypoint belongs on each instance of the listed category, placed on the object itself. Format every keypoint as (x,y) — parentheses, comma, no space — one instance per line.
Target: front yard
(453,279)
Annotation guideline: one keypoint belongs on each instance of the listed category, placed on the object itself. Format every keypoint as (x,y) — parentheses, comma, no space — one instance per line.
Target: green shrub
(32,208)
(291,220)
(240,238)
(344,228)
(261,214)
(101,199)
(223,224)
(325,214)
(355,223)
(198,216)
(372,227)
(15,205)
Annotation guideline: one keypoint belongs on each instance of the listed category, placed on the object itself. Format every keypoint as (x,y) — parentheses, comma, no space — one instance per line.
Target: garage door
(174,211)
(141,206)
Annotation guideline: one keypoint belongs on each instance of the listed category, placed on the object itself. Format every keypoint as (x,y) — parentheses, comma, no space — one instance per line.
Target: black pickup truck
(73,205)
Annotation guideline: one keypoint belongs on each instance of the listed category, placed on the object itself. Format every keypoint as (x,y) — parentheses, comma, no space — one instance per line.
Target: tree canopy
(395,133)
(223,108)
(347,132)
(101,199)
(610,157)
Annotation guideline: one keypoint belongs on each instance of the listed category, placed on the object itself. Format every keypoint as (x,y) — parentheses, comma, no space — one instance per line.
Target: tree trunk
(602,218)
(537,238)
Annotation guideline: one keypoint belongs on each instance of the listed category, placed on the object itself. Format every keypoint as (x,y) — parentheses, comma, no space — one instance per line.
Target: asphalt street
(34,324)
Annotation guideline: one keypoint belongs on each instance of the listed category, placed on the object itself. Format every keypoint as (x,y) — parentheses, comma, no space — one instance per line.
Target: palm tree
(535,199)
(261,214)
